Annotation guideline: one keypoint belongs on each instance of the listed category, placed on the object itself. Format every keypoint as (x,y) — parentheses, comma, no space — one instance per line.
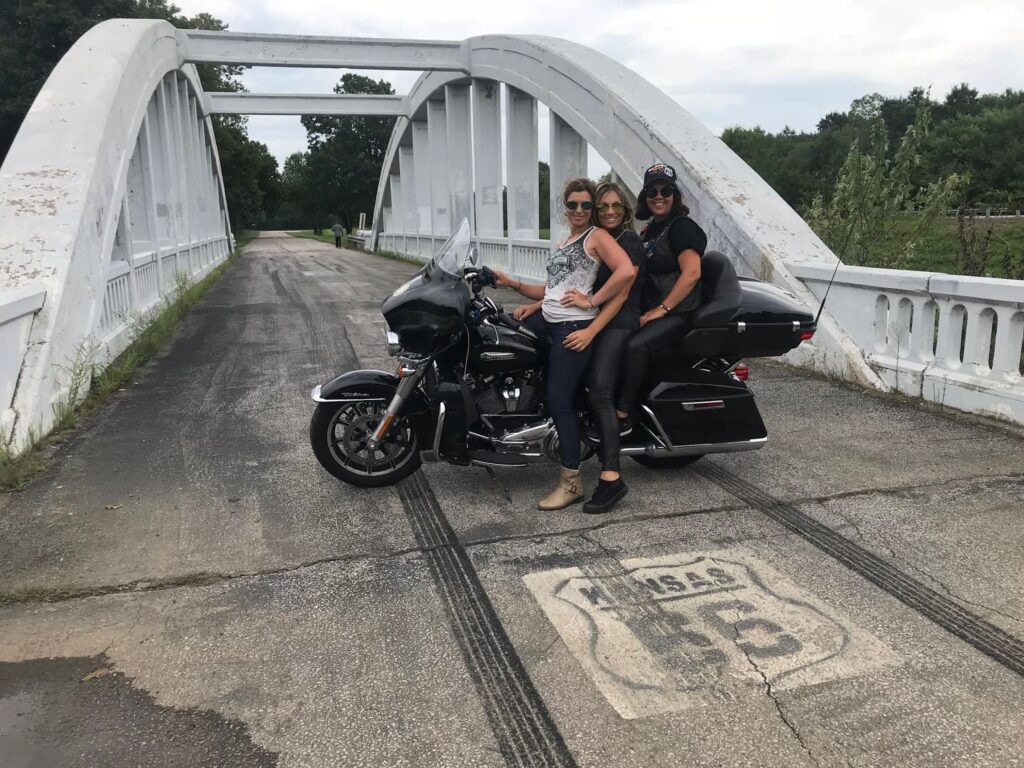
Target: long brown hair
(581,184)
(627,214)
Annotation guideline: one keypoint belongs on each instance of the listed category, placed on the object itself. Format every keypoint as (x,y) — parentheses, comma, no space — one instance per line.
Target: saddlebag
(705,410)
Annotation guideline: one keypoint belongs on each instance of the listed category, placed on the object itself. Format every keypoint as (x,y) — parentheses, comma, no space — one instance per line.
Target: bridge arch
(110,191)
(113,187)
(597,101)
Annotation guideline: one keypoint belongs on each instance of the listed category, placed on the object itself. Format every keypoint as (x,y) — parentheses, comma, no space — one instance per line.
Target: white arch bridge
(112,190)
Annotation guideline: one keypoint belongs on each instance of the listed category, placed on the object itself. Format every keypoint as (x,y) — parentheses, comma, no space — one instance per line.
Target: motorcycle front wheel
(338,433)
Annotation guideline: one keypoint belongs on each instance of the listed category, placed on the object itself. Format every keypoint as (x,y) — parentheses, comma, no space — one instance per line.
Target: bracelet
(662,305)
(590,302)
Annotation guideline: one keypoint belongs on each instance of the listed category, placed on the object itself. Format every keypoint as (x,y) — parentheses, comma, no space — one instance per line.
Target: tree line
(35,34)
(887,155)
(978,137)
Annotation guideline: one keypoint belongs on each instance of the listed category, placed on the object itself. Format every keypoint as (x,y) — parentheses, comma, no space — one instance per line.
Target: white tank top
(569,267)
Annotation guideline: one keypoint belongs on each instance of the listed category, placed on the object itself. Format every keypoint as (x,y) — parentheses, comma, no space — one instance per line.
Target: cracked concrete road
(852,595)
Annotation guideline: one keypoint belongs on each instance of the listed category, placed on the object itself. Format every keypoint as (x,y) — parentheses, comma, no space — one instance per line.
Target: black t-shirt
(684,234)
(629,315)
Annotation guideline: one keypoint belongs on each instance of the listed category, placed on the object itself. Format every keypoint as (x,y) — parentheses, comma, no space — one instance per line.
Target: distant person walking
(339,232)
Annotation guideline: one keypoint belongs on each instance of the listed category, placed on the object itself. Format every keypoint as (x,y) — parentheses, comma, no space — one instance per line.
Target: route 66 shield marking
(667,633)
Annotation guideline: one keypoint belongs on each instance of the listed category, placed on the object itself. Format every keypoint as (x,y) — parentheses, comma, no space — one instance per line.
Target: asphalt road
(852,595)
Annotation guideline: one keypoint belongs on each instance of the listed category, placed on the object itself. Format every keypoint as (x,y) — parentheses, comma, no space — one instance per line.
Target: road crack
(770,693)
(959,598)
(62,594)
(905,562)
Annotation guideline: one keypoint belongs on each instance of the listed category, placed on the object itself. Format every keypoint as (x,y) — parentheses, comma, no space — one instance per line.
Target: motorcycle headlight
(394,348)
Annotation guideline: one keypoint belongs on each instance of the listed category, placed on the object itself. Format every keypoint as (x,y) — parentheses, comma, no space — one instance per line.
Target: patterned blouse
(569,267)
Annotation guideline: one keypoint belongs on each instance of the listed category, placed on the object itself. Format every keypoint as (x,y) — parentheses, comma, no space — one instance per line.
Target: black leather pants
(657,337)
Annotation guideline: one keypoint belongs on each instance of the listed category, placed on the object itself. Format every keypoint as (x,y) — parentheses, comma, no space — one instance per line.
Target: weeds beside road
(90,386)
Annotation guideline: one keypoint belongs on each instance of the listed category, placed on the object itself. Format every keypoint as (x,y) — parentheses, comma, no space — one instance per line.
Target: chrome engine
(505,403)
(507,394)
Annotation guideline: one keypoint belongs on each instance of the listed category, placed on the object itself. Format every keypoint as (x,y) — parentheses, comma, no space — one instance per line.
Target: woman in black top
(674,245)
(615,214)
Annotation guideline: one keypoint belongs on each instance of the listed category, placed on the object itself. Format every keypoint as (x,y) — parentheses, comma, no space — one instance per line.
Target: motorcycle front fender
(375,386)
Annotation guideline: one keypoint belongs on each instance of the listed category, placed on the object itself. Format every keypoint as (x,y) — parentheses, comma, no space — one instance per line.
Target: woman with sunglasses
(618,320)
(674,245)
(569,305)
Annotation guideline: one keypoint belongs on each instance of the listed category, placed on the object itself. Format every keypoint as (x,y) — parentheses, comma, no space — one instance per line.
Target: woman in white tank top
(569,309)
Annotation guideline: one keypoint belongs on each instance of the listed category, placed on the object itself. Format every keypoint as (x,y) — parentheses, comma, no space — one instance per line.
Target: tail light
(741,372)
(806,335)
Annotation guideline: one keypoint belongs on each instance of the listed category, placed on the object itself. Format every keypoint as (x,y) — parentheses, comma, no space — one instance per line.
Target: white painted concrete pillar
(421,175)
(397,221)
(437,135)
(407,172)
(568,161)
(460,155)
(521,164)
(487,157)
(170,168)
(179,109)
(139,193)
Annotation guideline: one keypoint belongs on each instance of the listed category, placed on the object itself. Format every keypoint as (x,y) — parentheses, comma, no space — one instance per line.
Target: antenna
(821,307)
(839,263)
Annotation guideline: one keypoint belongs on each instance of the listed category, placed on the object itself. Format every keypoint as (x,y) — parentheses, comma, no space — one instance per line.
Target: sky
(728,63)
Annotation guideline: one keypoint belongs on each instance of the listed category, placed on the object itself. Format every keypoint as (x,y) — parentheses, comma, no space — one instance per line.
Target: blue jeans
(565,372)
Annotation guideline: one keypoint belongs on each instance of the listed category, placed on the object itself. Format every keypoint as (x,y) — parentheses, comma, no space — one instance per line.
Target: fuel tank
(497,349)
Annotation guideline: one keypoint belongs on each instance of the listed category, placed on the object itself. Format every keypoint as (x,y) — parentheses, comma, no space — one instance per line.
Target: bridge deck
(851,595)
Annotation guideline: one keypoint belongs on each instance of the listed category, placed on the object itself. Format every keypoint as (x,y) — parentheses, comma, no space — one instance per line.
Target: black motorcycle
(470,386)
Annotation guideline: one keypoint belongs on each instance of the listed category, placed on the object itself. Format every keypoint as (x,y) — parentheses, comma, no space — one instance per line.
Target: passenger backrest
(721,294)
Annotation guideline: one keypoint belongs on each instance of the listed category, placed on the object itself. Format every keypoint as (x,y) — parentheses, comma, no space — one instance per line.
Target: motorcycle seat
(721,297)
(721,294)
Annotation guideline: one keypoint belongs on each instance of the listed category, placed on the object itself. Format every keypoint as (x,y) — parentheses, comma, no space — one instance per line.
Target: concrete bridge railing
(950,339)
(111,191)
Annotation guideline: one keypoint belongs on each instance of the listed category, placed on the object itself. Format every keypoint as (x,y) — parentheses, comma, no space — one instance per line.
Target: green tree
(864,219)
(37,33)
(544,190)
(345,156)
(988,149)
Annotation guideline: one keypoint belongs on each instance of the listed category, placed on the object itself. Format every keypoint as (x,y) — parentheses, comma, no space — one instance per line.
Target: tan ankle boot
(569,491)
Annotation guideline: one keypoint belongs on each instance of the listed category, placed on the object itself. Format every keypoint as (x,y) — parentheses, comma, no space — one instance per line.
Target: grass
(543,234)
(938,250)
(329,239)
(149,335)
(326,236)
(395,256)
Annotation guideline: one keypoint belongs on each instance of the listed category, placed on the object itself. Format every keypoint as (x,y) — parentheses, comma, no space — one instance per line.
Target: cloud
(745,62)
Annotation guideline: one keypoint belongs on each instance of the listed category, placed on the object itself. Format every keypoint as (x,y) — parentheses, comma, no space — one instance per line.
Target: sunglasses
(652,192)
(586,205)
(617,207)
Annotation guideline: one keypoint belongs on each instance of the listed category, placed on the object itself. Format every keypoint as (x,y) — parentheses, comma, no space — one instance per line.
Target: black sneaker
(607,494)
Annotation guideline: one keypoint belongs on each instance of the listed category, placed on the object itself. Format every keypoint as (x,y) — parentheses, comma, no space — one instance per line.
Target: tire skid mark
(524,730)
(944,611)
(526,734)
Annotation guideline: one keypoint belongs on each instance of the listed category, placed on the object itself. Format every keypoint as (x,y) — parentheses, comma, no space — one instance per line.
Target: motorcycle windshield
(456,253)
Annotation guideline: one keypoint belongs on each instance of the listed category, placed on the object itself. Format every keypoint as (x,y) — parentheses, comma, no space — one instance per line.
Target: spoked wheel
(338,433)
(666,462)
